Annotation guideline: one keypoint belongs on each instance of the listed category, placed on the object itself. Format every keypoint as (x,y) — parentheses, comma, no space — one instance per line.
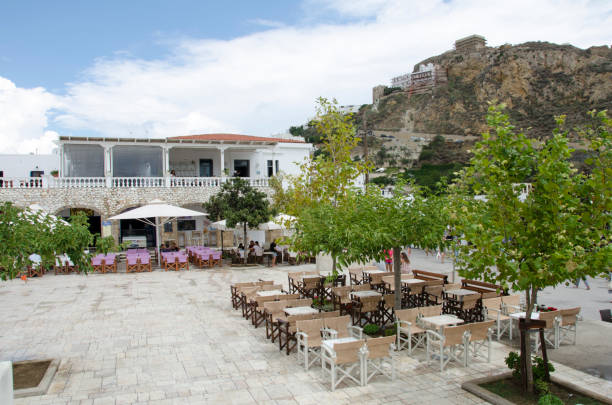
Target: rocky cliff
(537,81)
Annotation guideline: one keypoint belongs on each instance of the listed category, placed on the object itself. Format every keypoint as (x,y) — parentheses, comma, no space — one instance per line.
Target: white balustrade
(120,182)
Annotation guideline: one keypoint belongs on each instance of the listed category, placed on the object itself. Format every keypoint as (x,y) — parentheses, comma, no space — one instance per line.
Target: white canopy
(158,208)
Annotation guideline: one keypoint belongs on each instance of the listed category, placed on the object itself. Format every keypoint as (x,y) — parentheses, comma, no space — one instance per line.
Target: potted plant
(55,173)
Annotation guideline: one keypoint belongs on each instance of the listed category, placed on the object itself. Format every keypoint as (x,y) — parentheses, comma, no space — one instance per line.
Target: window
(83,161)
(241,168)
(276,164)
(270,168)
(137,161)
(186,224)
(36,173)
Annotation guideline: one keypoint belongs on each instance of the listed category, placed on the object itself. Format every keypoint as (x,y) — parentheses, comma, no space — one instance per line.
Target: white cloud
(23,119)
(264,82)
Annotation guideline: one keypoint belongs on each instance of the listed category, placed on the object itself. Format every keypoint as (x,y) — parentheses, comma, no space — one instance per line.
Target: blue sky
(157,69)
(50,43)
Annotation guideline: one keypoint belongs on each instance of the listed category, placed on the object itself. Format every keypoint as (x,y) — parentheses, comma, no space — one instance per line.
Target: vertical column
(166,165)
(222,161)
(60,170)
(108,162)
(261,163)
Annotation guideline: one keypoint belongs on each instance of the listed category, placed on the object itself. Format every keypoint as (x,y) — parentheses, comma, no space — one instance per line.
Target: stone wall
(107,201)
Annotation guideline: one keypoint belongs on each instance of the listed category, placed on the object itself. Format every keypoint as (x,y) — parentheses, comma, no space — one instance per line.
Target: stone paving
(173,338)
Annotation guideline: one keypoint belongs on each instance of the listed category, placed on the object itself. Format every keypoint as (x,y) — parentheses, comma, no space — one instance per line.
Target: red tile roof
(236,137)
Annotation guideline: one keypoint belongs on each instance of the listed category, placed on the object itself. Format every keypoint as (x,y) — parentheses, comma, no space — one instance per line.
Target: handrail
(47,182)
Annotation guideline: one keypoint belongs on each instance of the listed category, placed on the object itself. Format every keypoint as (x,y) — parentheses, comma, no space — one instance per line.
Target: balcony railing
(119,182)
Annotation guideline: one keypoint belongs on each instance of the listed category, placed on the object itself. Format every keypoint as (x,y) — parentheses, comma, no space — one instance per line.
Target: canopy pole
(157,241)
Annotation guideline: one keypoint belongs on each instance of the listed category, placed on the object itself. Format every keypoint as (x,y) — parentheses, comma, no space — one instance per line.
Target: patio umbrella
(157,209)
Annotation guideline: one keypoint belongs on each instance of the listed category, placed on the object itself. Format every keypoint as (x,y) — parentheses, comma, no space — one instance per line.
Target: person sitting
(258,251)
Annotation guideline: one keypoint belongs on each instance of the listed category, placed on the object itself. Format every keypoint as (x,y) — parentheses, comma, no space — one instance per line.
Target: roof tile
(235,137)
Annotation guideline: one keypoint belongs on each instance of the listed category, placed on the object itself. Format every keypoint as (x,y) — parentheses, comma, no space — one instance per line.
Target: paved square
(173,337)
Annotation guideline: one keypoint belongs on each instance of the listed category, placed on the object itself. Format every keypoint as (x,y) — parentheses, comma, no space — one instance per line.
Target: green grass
(510,390)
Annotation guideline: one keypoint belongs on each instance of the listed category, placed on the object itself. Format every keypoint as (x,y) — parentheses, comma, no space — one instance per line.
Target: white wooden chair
(406,324)
(341,327)
(345,359)
(479,337)
(509,305)
(567,325)
(450,345)
(308,337)
(379,358)
(492,310)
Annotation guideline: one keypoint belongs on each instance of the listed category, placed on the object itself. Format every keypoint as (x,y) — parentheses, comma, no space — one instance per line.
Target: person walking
(389,260)
(588,287)
(405,264)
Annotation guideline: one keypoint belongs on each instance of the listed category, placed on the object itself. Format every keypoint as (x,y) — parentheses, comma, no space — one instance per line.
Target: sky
(167,68)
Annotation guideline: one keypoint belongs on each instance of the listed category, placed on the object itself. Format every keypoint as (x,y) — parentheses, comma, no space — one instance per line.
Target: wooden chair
(309,339)
(361,287)
(479,336)
(215,258)
(451,344)
(433,310)
(433,295)
(376,280)
(492,310)
(406,321)
(132,264)
(468,308)
(257,310)
(235,291)
(366,310)
(356,275)
(509,305)
(379,353)
(341,299)
(144,263)
(452,286)
(551,330)
(287,329)
(272,311)
(387,309)
(344,358)
(340,327)
(567,325)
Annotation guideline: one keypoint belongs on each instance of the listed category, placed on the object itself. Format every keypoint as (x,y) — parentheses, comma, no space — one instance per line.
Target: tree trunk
(526,366)
(246,251)
(397,270)
(334,273)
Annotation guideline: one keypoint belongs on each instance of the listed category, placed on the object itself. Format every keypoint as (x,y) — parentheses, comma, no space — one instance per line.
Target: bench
(429,276)
(486,290)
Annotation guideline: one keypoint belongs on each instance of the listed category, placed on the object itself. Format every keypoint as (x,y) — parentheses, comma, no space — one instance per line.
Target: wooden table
(269,293)
(330,342)
(372,271)
(366,293)
(301,311)
(440,321)
(460,293)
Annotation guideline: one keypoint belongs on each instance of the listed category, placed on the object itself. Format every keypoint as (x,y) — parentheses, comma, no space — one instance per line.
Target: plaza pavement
(173,338)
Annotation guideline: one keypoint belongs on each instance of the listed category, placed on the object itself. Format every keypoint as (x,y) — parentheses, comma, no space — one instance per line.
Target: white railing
(119,182)
(137,182)
(76,182)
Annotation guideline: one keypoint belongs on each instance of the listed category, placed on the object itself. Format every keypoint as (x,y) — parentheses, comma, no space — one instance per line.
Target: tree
(324,181)
(24,232)
(544,233)
(239,204)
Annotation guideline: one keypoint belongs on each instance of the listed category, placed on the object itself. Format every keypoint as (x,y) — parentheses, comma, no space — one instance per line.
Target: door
(241,168)
(206,168)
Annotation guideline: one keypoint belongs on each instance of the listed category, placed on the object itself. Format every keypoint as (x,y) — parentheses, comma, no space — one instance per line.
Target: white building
(28,165)
(106,176)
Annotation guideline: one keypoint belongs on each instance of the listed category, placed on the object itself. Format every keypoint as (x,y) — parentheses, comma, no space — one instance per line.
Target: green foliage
(390,90)
(24,232)
(433,176)
(551,232)
(382,180)
(107,244)
(550,399)
(239,204)
(371,329)
(390,331)
(513,361)
(308,132)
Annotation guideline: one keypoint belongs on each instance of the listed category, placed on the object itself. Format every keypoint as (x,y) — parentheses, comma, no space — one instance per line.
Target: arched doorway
(93,217)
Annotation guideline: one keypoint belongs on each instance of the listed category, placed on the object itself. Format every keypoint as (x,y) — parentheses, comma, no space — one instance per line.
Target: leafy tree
(239,204)
(324,180)
(555,233)
(24,232)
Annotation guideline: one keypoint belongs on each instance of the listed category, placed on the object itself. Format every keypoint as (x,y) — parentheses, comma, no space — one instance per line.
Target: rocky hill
(537,81)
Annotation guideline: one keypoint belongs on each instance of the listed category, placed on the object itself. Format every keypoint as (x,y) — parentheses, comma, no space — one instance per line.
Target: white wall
(21,165)
(6,383)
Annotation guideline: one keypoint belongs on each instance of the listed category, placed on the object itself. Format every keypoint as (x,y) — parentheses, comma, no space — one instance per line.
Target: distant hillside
(536,80)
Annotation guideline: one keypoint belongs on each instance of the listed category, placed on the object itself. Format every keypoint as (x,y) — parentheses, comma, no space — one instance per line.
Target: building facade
(106,176)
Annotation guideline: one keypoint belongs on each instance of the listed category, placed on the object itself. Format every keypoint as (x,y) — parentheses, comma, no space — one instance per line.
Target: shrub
(390,331)
(550,399)
(371,329)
